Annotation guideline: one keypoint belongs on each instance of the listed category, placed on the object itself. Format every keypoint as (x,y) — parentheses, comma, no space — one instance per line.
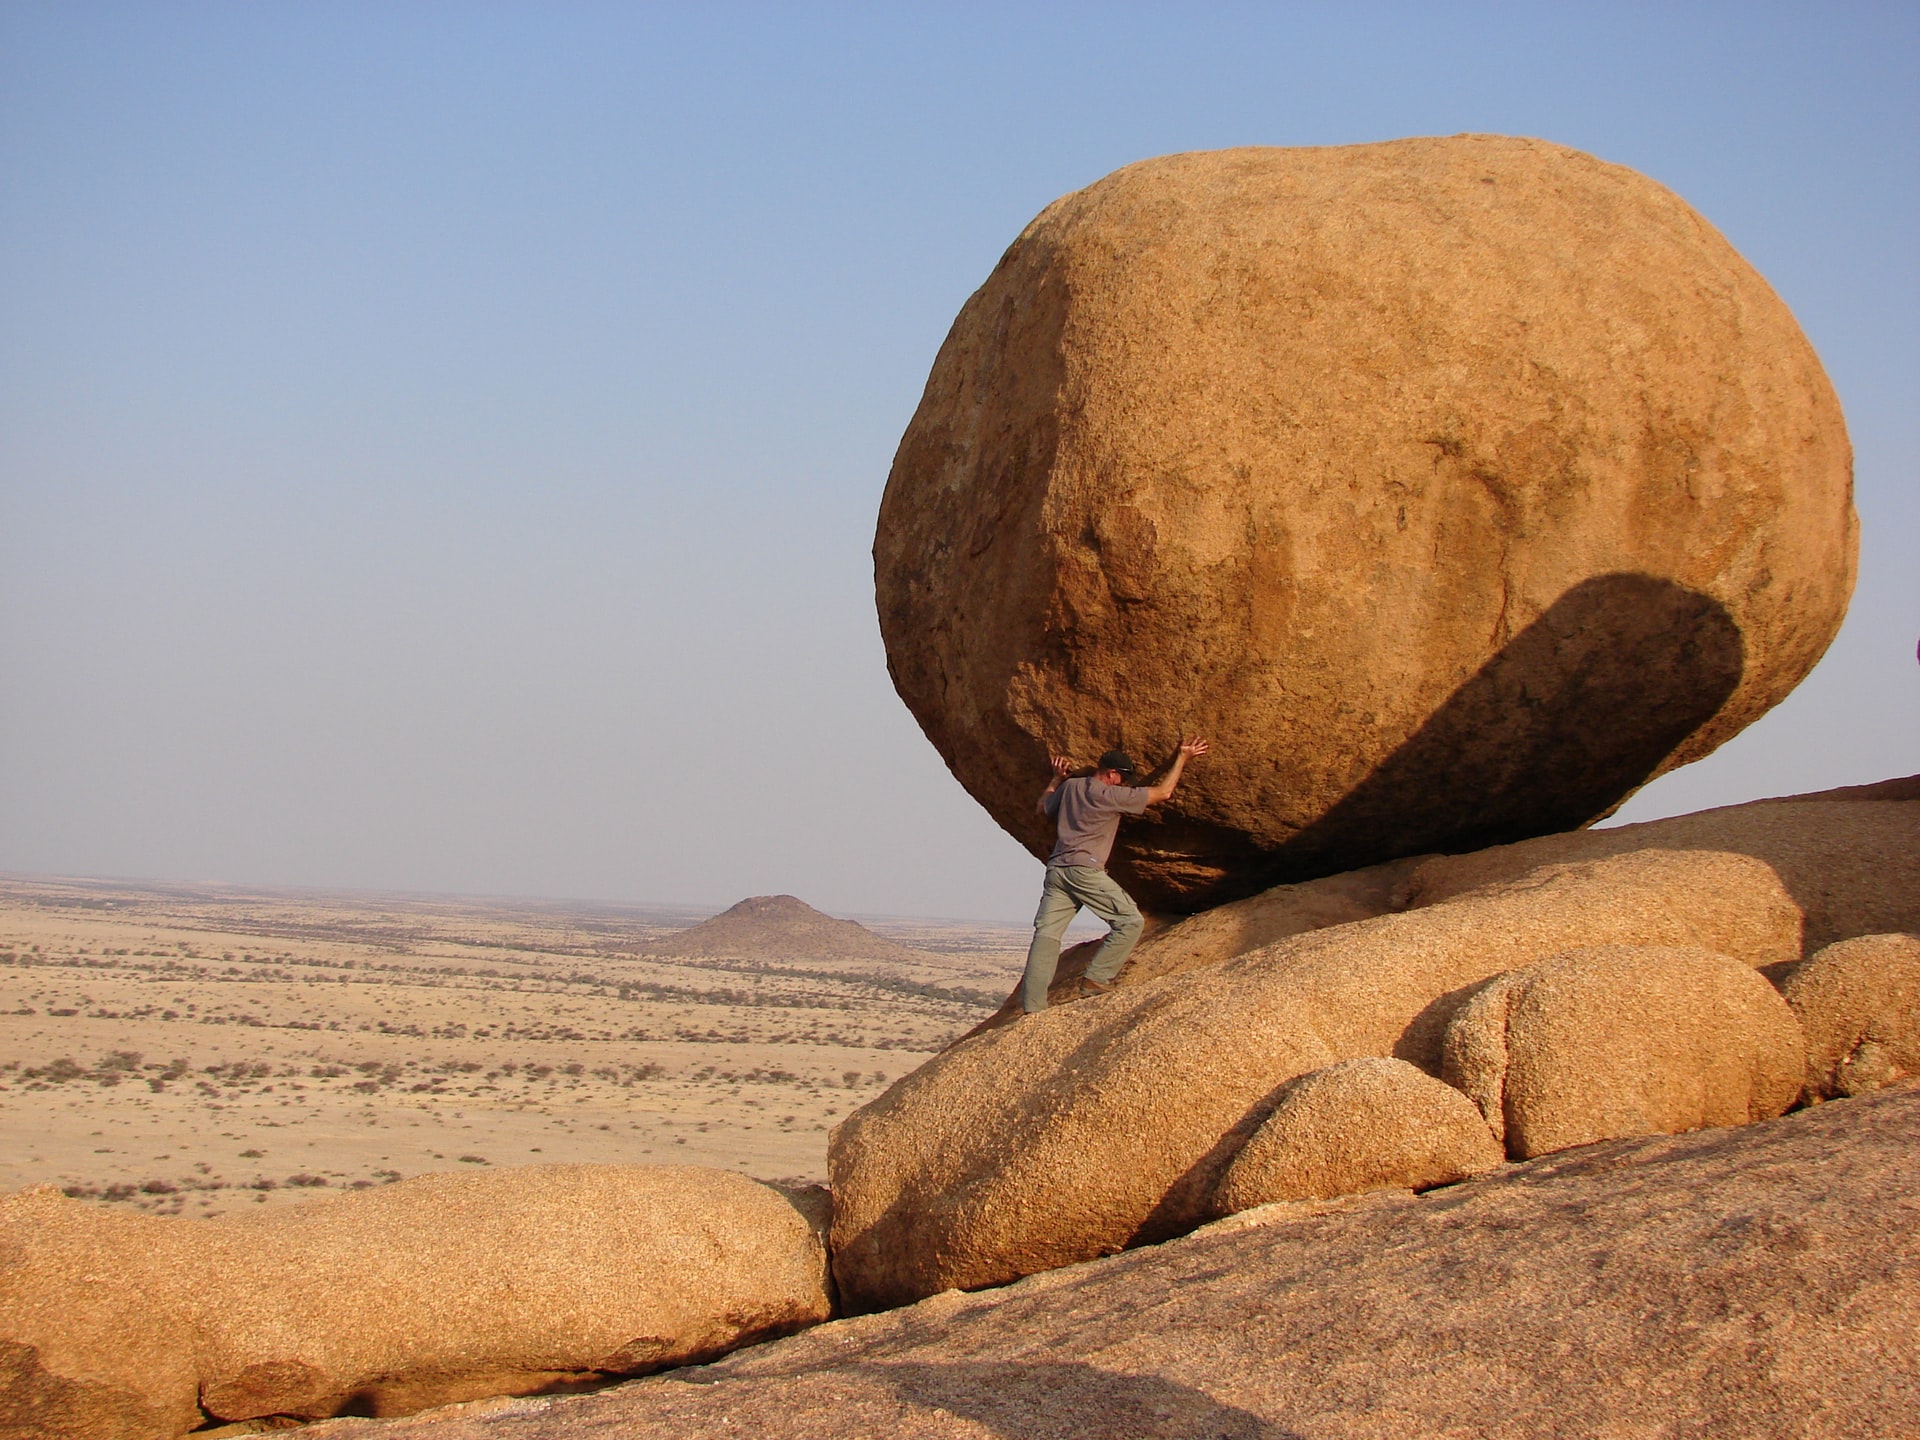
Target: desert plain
(190,1050)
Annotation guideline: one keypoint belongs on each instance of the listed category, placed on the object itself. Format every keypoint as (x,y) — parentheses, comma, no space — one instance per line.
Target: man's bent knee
(1123,917)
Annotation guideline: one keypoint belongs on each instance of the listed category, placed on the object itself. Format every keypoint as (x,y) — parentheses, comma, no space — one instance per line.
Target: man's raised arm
(1165,786)
(1061,766)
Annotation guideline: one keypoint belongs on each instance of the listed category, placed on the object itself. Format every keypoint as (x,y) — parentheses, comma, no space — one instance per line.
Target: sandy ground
(188,1051)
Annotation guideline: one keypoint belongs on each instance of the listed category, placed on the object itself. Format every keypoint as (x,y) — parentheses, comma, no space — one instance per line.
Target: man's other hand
(1188,749)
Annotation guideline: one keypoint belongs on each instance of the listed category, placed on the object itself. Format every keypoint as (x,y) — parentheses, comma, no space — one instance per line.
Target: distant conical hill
(780,927)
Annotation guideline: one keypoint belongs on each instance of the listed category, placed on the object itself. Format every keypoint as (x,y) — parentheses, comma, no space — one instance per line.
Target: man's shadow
(1575,713)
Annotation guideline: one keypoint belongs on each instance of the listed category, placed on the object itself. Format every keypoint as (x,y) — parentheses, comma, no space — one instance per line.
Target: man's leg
(1057,909)
(1101,893)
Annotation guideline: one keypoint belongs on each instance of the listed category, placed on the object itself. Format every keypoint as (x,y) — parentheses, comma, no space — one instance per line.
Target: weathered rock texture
(1622,1040)
(442,1288)
(780,927)
(1850,859)
(1107,1123)
(1761,1282)
(1453,487)
(1859,1004)
(95,1343)
(1368,1124)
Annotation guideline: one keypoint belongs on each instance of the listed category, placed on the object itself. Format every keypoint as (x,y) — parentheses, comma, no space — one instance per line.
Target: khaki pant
(1068,888)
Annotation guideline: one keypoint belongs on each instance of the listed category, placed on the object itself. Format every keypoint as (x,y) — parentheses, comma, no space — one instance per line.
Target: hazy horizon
(440,447)
(685,913)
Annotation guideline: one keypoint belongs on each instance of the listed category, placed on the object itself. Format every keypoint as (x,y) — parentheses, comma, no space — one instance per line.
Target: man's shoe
(1091,988)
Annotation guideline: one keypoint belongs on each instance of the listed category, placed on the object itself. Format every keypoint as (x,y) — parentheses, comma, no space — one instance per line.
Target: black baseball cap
(1116,760)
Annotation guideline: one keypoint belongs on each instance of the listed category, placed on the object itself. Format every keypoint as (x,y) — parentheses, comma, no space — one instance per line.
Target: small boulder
(1859,1004)
(1368,1124)
(1623,1040)
(453,1286)
(442,1288)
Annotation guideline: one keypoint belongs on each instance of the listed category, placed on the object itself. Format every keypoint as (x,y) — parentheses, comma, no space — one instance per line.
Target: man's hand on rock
(1165,787)
(1061,766)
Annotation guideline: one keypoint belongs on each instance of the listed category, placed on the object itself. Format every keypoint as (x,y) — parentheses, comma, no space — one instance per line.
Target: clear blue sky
(439,443)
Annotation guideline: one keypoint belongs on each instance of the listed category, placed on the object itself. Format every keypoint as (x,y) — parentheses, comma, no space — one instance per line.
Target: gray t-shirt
(1089,817)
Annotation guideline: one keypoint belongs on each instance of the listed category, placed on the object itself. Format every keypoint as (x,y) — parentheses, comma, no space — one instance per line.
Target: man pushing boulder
(1086,812)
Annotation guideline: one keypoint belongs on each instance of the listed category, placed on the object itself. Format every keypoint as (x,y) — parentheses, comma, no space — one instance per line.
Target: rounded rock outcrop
(1859,1003)
(1453,487)
(1617,1040)
(1108,1123)
(1375,1123)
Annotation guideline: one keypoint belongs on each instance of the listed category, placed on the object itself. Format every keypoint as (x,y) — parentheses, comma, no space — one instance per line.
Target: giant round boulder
(1454,488)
